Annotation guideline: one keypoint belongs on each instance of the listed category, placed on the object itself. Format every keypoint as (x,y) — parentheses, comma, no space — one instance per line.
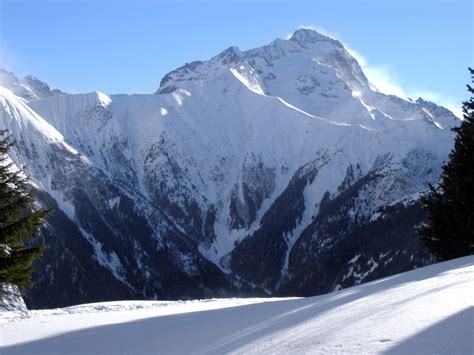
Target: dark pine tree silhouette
(18,221)
(449,232)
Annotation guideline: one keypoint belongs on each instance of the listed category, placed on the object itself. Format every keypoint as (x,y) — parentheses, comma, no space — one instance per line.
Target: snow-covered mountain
(277,170)
(28,88)
(424,311)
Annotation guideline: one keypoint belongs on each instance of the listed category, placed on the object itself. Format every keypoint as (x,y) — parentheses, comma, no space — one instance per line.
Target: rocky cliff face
(11,299)
(276,170)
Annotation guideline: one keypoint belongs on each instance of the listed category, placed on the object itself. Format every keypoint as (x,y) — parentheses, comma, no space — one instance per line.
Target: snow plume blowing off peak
(253,173)
(380,76)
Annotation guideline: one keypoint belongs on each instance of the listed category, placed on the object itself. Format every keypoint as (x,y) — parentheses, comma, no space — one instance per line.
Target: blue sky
(418,47)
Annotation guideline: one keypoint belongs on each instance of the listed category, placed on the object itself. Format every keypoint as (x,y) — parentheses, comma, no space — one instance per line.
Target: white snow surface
(425,311)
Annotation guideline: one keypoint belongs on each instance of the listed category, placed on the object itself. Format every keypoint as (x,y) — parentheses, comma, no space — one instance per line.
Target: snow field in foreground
(427,311)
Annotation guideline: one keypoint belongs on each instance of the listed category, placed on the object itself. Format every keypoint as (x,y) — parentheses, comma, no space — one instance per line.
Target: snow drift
(425,311)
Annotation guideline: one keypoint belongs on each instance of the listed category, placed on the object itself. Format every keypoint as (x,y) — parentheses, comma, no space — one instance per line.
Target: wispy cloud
(9,60)
(385,79)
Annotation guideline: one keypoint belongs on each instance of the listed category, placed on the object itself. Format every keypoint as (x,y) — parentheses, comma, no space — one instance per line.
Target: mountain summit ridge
(321,48)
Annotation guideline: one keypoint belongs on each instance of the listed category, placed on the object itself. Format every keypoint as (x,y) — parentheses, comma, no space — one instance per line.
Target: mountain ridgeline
(274,171)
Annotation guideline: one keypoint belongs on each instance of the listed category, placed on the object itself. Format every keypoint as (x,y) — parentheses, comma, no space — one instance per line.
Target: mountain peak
(39,87)
(29,88)
(304,36)
(304,43)
(230,55)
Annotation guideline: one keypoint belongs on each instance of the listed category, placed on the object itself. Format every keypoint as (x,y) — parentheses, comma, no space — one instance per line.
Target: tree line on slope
(449,231)
(19,220)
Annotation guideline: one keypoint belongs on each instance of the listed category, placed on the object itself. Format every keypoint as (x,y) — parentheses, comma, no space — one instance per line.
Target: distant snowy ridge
(425,311)
(253,173)
(28,88)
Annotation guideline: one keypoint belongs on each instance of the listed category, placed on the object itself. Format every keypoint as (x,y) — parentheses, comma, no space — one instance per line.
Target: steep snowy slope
(274,170)
(100,227)
(425,311)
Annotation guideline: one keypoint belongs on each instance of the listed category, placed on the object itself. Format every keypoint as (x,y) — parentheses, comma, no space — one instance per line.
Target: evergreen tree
(449,232)
(18,222)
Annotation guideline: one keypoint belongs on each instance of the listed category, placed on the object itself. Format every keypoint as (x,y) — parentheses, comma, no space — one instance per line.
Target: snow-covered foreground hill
(428,310)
